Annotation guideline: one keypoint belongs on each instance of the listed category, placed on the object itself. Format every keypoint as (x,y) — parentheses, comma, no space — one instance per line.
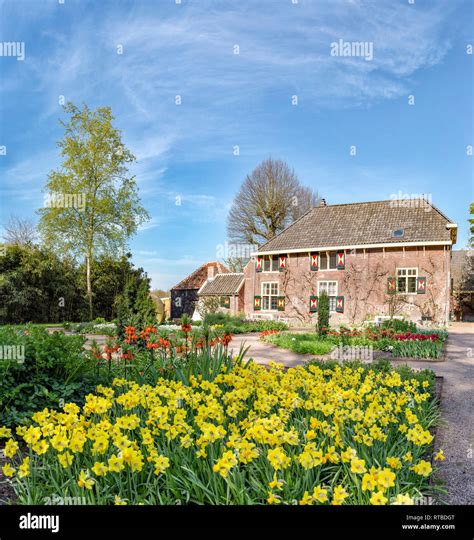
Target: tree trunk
(89,285)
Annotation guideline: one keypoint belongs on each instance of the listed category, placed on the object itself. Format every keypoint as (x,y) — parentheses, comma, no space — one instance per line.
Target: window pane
(401,271)
(266,264)
(265,302)
(332,303)
(274,289)
(411,284)
(332,288)
(274,264)
(401,284)
(274,302)
(323,261)
(332,260)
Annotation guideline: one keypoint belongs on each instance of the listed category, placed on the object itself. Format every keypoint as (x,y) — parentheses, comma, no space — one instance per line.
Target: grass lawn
(302,343)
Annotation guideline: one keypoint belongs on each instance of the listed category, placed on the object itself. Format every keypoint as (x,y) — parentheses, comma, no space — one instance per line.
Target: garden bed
(382,343)
(312,435)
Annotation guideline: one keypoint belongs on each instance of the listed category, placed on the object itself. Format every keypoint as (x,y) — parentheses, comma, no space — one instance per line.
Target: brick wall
(363,284)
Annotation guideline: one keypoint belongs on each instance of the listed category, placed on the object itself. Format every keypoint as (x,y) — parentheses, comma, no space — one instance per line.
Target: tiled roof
(361,224)
(222,285)
(199,276)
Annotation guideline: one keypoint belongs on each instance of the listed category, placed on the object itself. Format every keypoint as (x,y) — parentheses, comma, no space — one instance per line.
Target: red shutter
(259,264)
(281,303)
(391,285)
(340,260)
(282,263)
(340,304)
(257,303)
(313,304)
(421,285)
(313,261)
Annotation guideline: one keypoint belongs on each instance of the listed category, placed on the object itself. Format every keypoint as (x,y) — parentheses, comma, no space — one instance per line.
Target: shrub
(323,313)
(55,369)
(398,325)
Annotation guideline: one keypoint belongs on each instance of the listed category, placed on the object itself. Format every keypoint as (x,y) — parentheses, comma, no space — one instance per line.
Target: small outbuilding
(184,295)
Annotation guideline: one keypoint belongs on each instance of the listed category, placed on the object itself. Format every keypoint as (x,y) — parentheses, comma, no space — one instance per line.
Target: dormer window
(398,233)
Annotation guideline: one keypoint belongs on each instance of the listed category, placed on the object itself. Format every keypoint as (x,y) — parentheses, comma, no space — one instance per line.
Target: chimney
(322,202)
(211,271)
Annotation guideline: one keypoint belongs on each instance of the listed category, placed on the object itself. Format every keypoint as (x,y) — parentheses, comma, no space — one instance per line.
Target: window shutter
(391,285)
(421,285)
(257,303)
(281,303)
(282,263)
(340,261)
(313,261)
(313,304)
(259,264)
(340,304)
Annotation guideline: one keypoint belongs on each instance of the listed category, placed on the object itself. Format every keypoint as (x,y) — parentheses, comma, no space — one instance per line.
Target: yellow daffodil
(339,495)
(11,448)
(99,468)
(8,470)
(440,455)
(24,468)
(320,494)
(273,499)
(115,464)
(358,466)
(423,468)
(378,498)
(85,481)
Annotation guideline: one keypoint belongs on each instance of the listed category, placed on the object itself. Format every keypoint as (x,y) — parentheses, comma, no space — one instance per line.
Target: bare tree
(19,231)
(270,198)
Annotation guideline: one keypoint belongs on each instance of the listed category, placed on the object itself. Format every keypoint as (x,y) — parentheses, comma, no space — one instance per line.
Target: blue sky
(245,100)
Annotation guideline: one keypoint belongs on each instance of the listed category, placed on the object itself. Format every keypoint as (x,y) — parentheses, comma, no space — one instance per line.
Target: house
(373,259)
(227,289)
(184,295)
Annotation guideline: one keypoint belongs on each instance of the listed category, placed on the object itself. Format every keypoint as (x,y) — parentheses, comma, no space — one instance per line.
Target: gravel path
(455,434)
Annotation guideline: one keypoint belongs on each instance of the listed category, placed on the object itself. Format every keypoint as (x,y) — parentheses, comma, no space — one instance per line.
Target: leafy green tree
(323,313)
(93,204)
(38,286)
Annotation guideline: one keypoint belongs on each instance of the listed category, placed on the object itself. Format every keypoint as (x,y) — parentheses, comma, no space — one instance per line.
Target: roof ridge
(204,265)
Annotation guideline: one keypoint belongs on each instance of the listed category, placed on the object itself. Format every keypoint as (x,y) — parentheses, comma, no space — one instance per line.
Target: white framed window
(270,295)
(406,280)
(330,288)
(270,263)
(327,260)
